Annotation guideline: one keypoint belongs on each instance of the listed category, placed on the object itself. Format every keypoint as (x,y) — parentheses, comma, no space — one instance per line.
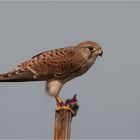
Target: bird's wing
(56,63)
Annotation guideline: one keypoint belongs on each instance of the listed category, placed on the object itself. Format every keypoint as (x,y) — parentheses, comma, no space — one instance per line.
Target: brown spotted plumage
(56,66)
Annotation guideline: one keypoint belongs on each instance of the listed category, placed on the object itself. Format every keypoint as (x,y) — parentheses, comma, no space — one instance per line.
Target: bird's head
(91,48)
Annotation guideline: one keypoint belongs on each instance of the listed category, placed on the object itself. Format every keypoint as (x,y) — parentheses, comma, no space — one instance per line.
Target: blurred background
(108,94)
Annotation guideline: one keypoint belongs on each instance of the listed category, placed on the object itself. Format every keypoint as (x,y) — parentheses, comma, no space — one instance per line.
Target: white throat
(92,60)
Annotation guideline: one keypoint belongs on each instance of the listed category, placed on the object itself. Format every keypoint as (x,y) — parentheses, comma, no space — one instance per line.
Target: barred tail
(16,76)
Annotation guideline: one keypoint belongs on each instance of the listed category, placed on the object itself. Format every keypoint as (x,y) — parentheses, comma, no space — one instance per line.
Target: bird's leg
(61,105)
(59,101)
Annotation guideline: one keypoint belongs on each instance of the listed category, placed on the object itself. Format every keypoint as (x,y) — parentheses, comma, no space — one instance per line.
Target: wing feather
(56,63)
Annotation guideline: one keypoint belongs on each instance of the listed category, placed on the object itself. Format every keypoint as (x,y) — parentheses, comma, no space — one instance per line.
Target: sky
(108,94)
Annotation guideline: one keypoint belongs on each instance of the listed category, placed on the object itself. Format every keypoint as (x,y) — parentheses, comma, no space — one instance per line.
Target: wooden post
(62,128)
(63,119)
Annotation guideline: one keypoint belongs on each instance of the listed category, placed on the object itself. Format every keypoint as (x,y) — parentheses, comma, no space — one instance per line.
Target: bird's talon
(60,104)
(70,105)
(64,107)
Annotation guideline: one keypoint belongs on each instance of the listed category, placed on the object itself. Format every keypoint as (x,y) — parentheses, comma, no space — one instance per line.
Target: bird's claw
(60,104)
(64,107)
(70,105)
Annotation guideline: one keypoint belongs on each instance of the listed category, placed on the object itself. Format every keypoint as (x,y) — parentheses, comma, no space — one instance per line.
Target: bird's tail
(16,76)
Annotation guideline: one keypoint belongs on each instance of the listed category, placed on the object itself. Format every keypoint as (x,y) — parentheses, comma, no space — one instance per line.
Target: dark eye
(90,48)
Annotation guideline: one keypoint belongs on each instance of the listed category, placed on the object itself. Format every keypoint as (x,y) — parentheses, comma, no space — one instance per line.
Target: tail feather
(17,76)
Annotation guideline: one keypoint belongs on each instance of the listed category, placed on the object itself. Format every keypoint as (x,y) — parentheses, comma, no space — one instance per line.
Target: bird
(56,67)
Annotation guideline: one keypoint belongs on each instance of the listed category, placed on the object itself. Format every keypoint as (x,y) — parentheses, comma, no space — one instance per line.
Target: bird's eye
(90,48)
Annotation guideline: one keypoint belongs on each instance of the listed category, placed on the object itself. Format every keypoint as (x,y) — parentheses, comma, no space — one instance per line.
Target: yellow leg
(58,99)
(61,105)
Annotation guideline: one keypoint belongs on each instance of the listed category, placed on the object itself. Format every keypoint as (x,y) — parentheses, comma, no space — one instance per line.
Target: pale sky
(108,94)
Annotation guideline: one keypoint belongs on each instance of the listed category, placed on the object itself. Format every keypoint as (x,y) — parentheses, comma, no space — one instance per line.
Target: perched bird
(56,66)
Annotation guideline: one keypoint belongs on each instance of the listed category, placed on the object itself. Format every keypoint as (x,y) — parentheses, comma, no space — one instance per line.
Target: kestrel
(56,66)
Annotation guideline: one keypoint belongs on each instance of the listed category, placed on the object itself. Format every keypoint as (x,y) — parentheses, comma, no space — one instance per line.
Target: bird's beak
(98,51)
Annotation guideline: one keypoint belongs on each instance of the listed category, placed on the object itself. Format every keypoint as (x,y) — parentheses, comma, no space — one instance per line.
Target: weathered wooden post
(63,119)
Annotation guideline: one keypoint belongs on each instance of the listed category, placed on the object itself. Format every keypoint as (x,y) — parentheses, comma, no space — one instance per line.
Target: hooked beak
(101,53)
(98,51)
